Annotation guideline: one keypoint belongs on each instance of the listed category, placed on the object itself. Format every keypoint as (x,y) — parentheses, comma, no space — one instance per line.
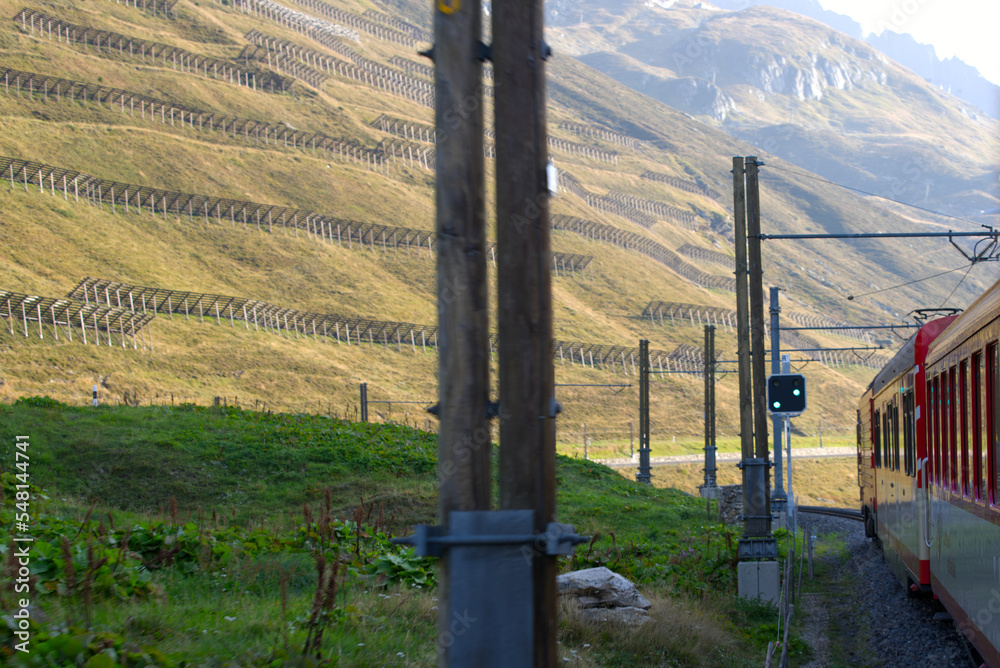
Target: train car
(892,450)
(962,386)
(929,467)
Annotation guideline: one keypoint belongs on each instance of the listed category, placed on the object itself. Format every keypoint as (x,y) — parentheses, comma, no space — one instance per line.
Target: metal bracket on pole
(491,559)
(758,548)
(432,541)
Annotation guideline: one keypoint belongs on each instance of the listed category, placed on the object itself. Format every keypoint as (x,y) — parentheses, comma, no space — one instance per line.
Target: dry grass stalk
(86,518)
(86,587)
(68,567)
(323,603)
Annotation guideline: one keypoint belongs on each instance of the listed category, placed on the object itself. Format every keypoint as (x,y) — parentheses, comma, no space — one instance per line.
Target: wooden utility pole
(762,505)
(527,374)
(757,572)
(742,313)
(463,336)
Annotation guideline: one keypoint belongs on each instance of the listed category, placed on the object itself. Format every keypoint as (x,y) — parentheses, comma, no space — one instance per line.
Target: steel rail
(844,513)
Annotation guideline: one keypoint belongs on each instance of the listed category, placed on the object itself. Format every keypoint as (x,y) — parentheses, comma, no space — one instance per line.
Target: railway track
(845,513)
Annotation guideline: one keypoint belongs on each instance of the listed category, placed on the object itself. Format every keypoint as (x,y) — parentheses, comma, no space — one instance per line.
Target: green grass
(160,473)
(249,463)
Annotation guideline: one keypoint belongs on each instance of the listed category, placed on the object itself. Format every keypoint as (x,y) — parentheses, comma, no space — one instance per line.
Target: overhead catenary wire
(919,280)
(965,276)
(871,194)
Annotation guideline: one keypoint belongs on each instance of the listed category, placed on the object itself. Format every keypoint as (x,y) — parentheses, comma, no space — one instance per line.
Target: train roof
(913,352)
(978,315)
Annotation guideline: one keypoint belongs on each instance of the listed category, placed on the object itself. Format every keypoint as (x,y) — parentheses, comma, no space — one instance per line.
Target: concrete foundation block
(709,492)
(759,579)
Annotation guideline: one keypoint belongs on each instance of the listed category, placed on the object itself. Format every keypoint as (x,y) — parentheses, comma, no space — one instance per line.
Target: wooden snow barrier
(94,323)
(164,7)
(359,23)
(639,210)
(706,255)
(681,217)
(645,245)
(130,198)
(260,315)
(49,89)
(582,149)
(584,130)
(112,43)
(356,67)
(295,20)
(418,34)
(283,63)
(424,132)
(682,184)
(413,67)
(699,315)
(406,129)
(352,330)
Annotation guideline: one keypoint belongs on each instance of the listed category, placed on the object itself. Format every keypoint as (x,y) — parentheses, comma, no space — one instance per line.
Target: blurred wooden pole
(743,329)
(463,339)
(755,279)
(524,260)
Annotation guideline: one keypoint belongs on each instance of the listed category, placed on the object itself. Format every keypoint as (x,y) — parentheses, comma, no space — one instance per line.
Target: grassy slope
(196,362)
(247,470)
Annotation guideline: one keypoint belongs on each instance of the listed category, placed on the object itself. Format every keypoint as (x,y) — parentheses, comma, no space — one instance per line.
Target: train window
(886,459)
(964,442)
(895,433)
(978,426)
(890,461)
(909,432)
(953,428)
(887,436)
(906,431)
(934,440)
(876,440)
(992,404)
(944,428)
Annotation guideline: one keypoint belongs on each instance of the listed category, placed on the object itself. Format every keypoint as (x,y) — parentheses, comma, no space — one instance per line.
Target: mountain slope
(951,74)
(641,182)
(802,91)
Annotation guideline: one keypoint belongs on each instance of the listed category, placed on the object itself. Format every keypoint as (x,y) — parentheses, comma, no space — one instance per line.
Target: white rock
(600,588)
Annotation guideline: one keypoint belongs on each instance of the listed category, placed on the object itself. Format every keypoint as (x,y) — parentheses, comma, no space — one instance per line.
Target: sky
(963,28)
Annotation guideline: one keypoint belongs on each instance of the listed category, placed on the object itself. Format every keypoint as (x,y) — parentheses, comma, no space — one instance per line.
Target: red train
(929,466)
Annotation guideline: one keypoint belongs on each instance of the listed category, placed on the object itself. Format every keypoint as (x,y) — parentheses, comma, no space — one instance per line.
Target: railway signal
(786,394)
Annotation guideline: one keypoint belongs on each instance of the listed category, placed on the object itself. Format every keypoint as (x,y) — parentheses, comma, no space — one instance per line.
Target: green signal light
(796,392)
(777,404)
